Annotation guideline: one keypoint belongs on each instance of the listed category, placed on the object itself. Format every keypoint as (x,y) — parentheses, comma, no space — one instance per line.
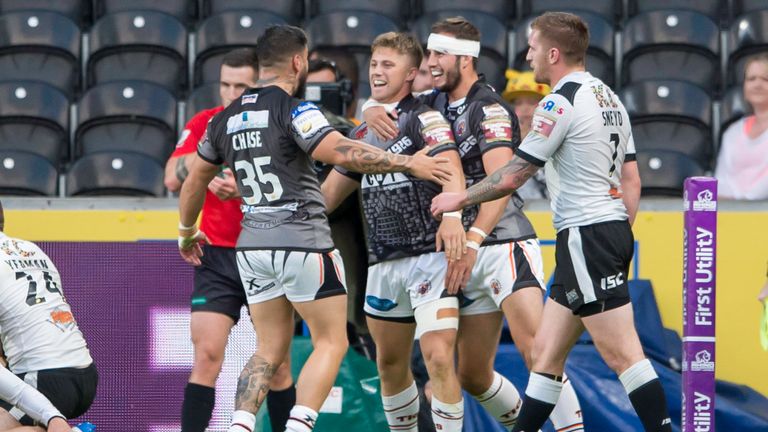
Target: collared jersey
(267,136)
(482,122)
(37,326)
(583,128)
(396,205)
(221,219)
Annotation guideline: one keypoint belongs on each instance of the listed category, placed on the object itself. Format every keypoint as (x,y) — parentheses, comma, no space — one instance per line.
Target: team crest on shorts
(571,296)
(495,286)
(424,287)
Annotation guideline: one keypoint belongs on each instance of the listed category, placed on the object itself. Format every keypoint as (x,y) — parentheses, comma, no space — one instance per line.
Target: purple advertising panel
(131,300)
(699,253)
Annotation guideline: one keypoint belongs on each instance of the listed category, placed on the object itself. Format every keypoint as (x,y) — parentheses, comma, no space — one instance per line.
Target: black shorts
(593,267)
(217,283)
(70,390)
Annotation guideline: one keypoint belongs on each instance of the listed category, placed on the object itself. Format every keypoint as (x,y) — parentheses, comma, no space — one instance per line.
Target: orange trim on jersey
(512,260)
(322,269)
(614,193)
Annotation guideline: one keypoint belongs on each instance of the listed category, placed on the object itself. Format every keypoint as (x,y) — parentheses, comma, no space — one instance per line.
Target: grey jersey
(485,121)
(266,137)
(396,205)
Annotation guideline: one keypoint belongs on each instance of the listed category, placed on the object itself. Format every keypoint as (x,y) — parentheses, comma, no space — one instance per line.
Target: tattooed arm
(503,181)
(364,158)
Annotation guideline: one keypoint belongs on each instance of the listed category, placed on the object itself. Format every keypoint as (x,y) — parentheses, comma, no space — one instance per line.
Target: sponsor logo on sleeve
(550,106)
(436,130)
(249,99)
(308,120)
(183,138)
(543,125)
(496,123)
(247,120)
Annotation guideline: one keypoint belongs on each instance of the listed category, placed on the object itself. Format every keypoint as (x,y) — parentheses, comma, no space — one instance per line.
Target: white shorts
(500,270)
(299,276)
(395,288)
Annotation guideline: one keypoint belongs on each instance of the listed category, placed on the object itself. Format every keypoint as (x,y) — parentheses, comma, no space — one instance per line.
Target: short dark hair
(320,64)
(460,28)
(241,57)
(279,43)
(566,32)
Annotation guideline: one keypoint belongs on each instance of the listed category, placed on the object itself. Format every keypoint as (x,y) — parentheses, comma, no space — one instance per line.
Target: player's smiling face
(756,84)
(537,57)
(389,72)
(445,70)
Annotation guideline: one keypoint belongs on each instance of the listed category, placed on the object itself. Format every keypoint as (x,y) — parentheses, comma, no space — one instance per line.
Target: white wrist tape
(370,103)
(473,245)
(451,45)
(478,231)
(185,228)
(453,214)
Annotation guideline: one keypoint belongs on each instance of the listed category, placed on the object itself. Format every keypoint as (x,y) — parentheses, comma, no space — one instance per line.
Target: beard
(452,78)
(301,87)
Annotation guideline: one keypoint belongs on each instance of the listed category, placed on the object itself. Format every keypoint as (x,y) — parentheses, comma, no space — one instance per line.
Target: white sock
(242,421)
(566,416)
(402,410)
(502,401)
(448,417)
(301,419)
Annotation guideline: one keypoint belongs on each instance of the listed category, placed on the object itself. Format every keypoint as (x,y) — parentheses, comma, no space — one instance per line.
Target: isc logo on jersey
(247,120)
(307,119)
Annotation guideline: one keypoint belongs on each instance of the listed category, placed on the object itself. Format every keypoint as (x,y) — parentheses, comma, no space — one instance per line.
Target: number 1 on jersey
(255,177)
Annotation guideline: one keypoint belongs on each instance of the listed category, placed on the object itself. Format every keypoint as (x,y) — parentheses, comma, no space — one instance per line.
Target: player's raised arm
(364,158)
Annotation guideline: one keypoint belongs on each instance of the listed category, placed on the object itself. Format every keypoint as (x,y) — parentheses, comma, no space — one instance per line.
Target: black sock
(651,406)
(279,404)
(533,414)
(197,408)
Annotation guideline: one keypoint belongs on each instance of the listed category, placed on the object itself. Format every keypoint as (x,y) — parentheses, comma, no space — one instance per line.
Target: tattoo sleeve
(503,181)
(181,169)
(367,159)
(253,384)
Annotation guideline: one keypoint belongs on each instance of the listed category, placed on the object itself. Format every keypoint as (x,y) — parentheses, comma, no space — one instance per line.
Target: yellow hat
(523,84)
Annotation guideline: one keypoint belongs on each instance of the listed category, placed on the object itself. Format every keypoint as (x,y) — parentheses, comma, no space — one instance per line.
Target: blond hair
(404,43)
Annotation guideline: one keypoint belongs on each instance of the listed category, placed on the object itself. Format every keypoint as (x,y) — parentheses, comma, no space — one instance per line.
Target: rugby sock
(566,416)
(301,419)
(279,404)
(540,398)
(402,409)
(242,421)
(197,408)
(647,396)
(448,417)
(501,400)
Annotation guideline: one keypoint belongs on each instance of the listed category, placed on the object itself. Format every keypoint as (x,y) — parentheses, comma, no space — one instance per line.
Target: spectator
(525,93)
(423,82)
(742,166)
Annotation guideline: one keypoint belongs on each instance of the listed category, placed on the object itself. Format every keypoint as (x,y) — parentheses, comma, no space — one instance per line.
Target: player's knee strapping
(442,314)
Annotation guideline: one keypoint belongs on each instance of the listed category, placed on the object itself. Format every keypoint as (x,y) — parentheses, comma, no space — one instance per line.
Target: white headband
(451,45)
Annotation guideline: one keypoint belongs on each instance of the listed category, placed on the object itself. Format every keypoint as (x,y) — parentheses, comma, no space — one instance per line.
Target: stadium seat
(138,45)
(130,116)
(183,10)
(748,35)
(34,117)
(40,46)
(671,44)
(733,107)
(714,9)
(664,171)
(502,9)
(670,115)
(397,10)
(24,173)
(610,10)
(493,41)
(599,60)
(203,97)
(291,10)
(223,32)
(79,11)
(740,7)
(115,173)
